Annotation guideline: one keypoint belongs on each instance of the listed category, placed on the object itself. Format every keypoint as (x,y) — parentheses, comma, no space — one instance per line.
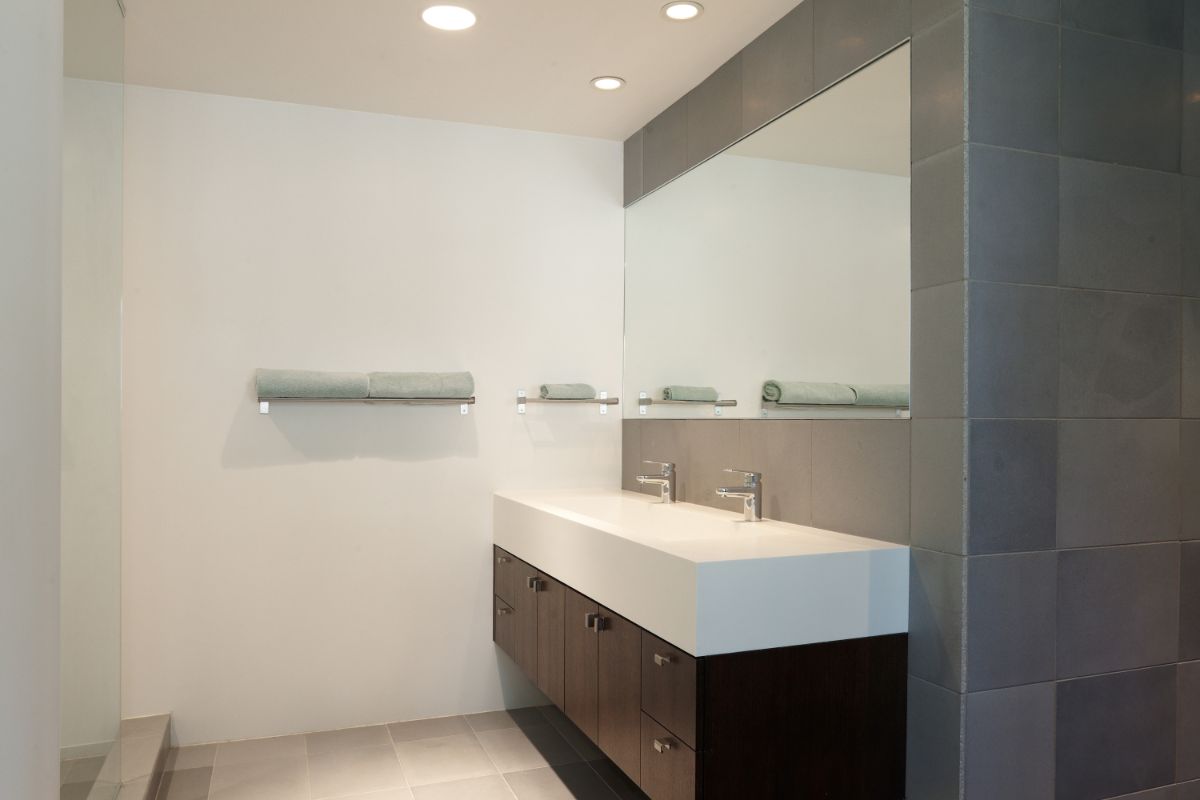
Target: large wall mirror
(785,258)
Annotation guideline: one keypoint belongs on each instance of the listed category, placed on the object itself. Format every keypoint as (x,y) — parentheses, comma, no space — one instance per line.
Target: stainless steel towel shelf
(463,403)
(604,401)
(645,401)
(768,406)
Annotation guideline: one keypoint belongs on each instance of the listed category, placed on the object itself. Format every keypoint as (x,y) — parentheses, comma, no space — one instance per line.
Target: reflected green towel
(698,394)
(567,391)
(808,394)
(281,383)
(422,385)
(892,395)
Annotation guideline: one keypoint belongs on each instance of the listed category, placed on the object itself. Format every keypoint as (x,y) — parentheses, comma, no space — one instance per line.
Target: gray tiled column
(1083,469)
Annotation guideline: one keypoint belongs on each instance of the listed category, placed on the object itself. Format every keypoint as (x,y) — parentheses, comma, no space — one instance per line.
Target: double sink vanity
(707,655)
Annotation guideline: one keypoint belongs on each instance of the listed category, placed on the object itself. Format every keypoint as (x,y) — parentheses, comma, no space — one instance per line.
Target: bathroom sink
(704,579)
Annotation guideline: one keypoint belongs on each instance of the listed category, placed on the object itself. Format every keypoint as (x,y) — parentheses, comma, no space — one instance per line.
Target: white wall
(93,112)
(747,269)
(30,169)
(329,565)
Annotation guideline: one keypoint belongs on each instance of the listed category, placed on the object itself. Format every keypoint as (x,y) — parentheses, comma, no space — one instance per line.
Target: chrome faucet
(750,493)
(665,479)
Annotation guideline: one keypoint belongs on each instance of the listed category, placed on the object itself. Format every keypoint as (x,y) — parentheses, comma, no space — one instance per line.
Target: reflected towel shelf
(645,401)
(603,400)
(463,403)
(769,406)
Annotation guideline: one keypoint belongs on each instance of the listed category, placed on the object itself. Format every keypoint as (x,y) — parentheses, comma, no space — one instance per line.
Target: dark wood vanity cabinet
(812,721)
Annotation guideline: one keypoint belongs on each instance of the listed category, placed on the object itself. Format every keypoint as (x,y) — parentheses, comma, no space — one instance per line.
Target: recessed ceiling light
(608,83)
(448,18)
(682,11)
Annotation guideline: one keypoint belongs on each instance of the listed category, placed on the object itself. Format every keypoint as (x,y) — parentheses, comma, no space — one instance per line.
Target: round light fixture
(682,11)
(448,18)
(608,83)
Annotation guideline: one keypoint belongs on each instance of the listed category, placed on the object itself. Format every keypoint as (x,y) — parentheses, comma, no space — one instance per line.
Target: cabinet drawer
(504,575)
(668,765)
(504,627)
(669,687)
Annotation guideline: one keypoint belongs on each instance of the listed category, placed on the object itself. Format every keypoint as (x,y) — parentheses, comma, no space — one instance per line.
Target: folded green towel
(422,385)
(893,395)
(568,391)
(706,394)
(281,383)
(808,394)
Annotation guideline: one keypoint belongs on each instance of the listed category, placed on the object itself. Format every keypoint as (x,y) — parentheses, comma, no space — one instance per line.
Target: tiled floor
(524,754)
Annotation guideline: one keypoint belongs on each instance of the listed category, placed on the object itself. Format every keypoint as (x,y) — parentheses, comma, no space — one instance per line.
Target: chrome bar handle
(590,619)
(662,745)
(535,583)
(750,478)
(661,661)
(500,612)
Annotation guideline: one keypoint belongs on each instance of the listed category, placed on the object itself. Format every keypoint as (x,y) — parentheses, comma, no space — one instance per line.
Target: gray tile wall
(1053,498)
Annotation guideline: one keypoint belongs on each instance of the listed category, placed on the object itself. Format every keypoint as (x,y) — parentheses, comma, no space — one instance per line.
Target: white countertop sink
(702,578)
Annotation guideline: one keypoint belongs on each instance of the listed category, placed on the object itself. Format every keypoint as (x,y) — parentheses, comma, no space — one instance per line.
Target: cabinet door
(551,650)
(669,687)
(582,663)
(504,630)
(504,575)
(619,711)
(525,610)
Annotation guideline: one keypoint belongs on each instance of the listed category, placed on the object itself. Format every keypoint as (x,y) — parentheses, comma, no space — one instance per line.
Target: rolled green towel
(892,395)
(281,383)
(422,385)
(567,391)
(696,394)
(808,394)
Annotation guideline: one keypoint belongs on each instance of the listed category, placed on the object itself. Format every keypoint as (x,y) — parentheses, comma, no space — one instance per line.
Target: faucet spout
(664,480)
(750,493)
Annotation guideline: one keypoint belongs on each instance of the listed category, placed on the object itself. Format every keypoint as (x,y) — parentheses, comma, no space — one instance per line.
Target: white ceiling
(526,64)
(861,123)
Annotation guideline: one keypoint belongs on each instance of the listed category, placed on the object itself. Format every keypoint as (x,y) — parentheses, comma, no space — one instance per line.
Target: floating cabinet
(819,720)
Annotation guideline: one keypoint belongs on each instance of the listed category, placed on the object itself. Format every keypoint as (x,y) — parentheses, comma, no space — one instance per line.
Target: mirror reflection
(785,259)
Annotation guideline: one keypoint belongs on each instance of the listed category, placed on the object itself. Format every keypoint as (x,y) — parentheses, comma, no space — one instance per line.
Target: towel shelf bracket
(645,401)
(604,401)
(464,403)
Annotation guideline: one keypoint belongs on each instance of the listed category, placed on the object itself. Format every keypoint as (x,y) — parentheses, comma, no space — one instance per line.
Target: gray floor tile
(193,757)
(347,772)
(429,728)
(570,782)
(348,739)
(513,717)
(492,787)
(620,783)
(185,784)
(521,749)
(266,779)
(260,749)
(441,760)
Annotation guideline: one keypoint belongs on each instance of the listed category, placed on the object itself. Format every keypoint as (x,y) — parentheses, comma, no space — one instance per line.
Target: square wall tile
(1118,482)
(939,479)
(1013,65)
(1115,734)
(1010,744)
(1191,235)
(781,449)
(1044,10)
(1120,228)
(1120,102)
(1011,602)
(860,480)
(1191,26)
(1189,444)
(1158,22)
(664,146)
(1014,216)
(1191,113)
(1119,355)
(777,68)
(938,219)
(1118,608)
(665,440)
(1187,765)
(935,718)
(1189,602)
(631,454)
(935,618)
(927,13)
(1191,358)
(714,112)
(1012,364)
(1013,485)
(938,87)
(850,33)
(712,448)
(938,351)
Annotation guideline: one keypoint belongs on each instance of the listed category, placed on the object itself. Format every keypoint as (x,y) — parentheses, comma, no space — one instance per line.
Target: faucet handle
(667,467)
(749,477)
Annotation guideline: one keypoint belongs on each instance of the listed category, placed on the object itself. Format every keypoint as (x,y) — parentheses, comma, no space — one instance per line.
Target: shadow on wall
(296,433)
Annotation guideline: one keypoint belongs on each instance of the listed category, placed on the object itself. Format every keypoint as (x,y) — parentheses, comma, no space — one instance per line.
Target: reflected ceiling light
(682,11)
(448,18)
(608,83)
